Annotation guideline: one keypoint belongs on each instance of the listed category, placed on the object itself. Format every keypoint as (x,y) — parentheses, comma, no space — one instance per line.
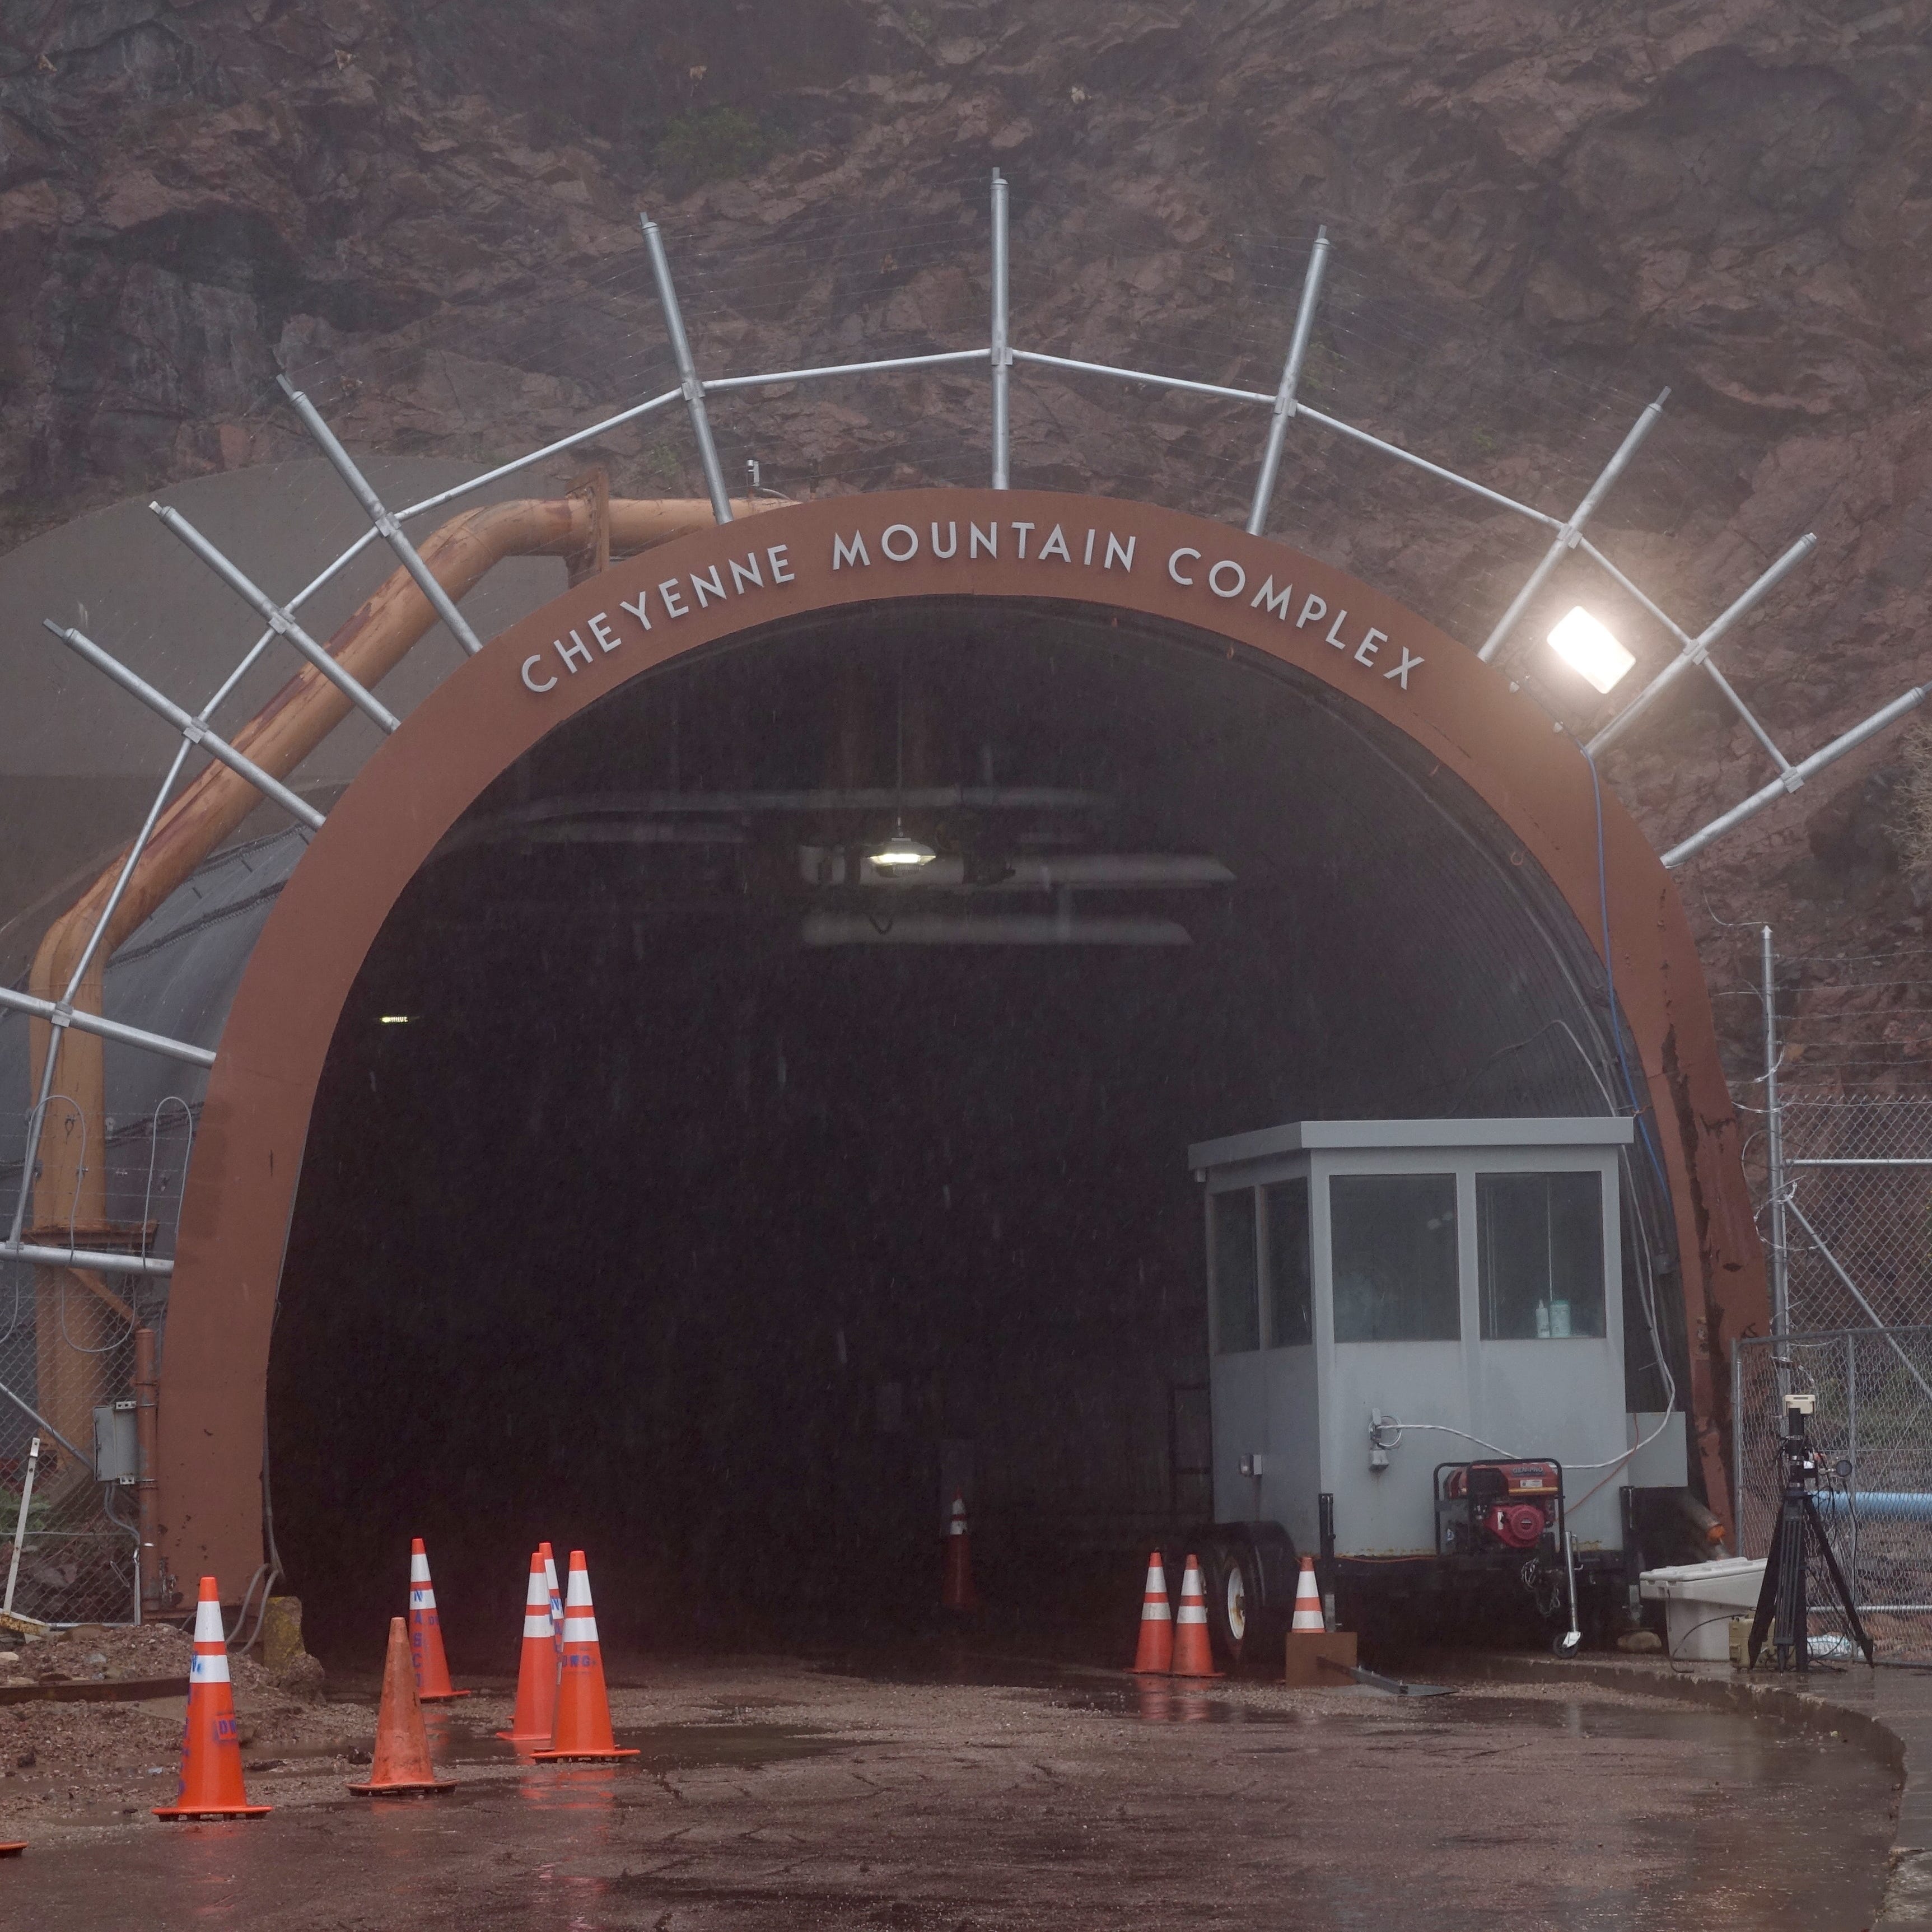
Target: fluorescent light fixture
(901,854)
(1589,649)
(397,1019)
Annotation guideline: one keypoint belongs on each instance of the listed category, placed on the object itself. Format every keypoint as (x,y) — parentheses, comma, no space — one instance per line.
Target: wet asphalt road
(776,1794)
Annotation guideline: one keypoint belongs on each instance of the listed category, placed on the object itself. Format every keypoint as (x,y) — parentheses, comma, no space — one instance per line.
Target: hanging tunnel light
(1589,649)
(900,853)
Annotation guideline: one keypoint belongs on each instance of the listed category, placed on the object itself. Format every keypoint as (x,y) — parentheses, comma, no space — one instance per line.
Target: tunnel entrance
(677,1188)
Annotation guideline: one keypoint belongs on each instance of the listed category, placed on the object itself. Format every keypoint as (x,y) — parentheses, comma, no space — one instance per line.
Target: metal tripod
(1782,1605)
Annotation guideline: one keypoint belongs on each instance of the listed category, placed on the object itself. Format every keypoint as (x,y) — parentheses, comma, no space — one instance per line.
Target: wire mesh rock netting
(1872,1429)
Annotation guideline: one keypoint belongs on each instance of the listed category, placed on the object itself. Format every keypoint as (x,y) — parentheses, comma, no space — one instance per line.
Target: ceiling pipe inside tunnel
(66,1188)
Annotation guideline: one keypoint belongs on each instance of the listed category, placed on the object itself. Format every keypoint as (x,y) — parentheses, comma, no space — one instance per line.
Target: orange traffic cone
(536,1670)
(1191,1656)
(402,1769)
(583,1704)
(211,1768)
(956,1591)
(1308,1601)
(1155,1655)
(433,1684)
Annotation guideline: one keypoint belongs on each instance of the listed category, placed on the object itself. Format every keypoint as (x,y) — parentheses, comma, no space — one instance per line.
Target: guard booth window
(1289,1275)
(1540,1256)
(1237,1322)
(1393,1243)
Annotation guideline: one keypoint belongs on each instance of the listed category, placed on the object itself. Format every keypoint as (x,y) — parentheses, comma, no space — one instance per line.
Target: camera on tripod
(1783,1602)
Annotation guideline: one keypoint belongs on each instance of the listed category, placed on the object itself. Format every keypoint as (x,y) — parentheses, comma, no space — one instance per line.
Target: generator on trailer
(1416,1332)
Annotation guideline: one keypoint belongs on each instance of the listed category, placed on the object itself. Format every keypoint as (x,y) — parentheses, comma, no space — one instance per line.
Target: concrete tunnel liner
(846,552)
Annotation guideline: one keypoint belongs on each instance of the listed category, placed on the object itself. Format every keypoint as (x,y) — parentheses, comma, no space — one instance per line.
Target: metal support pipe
(192,729)
(1141,375)
(1789,781)
(945,358)
(1695,648)
(1002,355)
(277,619)
(103,1262)
(37,1120)
(1567,535)
(147,1440)
(1435,470)
(1290,377)
(20,1527)
(692,388)
(1750,717)
(127,1036)
(27,1408)
(387,527)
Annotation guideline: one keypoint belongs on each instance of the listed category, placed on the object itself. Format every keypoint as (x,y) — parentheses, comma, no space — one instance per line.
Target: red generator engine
(1499,1509)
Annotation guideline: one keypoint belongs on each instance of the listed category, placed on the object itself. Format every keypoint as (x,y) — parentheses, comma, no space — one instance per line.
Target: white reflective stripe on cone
(580,1591)
(1157,1610)
(422,1599)
(1192,1613)
(210,1668)
(208,1624)
(580,1630)
(537,1626)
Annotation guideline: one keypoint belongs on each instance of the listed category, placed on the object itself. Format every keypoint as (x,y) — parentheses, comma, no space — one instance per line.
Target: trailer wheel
(1234,1600)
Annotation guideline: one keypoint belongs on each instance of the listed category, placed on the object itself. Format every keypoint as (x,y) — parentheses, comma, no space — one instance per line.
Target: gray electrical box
(117,1452)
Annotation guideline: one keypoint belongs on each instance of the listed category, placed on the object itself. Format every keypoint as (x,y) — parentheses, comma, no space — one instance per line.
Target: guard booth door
(1262,1372)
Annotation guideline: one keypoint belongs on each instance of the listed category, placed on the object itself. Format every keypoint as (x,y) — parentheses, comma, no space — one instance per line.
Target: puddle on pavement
(660,1747)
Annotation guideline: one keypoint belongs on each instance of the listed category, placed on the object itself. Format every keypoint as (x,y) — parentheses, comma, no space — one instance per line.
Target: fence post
(1737,1441)
(1780,1281)
(1852,1448)
(146,1440)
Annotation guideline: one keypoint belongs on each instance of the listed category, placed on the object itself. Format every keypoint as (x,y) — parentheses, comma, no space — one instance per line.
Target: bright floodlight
(1585,647)
(900,853)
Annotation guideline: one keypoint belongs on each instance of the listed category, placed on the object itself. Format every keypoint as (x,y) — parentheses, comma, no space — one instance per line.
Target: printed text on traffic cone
(433,1684)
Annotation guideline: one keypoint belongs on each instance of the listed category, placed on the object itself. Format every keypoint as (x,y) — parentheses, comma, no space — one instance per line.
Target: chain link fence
(66,1348)
(1872,1429)
(67,1360)
(1858,1189)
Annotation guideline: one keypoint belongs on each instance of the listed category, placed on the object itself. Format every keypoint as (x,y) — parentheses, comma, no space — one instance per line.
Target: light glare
(1590,650)
(902,853)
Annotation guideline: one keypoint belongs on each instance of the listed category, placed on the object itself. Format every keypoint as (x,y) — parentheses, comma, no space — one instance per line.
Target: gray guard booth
(1465,1275)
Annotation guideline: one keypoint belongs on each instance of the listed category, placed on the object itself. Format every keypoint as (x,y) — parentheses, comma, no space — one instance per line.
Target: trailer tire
(1238,1615)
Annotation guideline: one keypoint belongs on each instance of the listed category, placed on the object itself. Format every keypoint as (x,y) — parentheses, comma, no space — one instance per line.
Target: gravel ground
(964,1795)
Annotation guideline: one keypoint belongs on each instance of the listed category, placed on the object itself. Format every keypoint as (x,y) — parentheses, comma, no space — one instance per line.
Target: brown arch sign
(816,556)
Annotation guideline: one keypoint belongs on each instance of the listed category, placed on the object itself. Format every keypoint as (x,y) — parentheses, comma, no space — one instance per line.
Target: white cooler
(1699,1600)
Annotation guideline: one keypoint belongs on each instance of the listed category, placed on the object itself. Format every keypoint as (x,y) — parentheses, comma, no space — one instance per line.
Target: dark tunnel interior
(680,1190)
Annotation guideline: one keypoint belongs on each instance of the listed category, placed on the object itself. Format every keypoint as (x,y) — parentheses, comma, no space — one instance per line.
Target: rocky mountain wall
(1542,214)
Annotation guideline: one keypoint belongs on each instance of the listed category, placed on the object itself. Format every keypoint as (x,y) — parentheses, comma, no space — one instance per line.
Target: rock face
(425,211)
